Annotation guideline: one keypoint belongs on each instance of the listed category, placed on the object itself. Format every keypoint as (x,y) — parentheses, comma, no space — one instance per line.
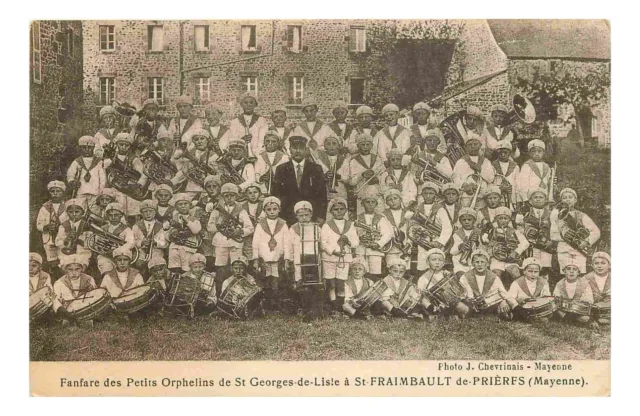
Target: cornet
(506,195)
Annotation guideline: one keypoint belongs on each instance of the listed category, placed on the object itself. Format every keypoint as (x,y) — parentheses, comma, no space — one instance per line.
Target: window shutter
(149,37)
(352,40)
(289,81)
(290,30)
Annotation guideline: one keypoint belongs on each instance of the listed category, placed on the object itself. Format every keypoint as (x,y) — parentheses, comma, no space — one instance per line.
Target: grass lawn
(337,338)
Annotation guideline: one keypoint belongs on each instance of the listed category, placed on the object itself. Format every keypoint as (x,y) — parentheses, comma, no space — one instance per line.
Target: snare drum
(240,299)
(484,302)
(576,307)
(409,298)
(91,305)
(40,303)
(539,307)
(370,296)
(602,310)
(183,294)
(207,287)
(447,292)
(135,299)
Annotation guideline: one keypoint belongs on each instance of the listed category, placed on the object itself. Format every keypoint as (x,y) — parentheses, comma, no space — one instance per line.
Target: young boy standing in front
(370,248)
(306,252)
(337,239)
(270,251)
(236,225)
(48,222)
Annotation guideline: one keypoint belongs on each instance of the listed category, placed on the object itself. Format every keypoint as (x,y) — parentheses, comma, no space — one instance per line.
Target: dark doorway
(420,67)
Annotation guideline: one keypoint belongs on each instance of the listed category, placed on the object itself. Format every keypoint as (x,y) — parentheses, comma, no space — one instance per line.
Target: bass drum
(241,299)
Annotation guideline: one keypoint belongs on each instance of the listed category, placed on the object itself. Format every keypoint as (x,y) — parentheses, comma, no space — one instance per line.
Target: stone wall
(476,54)
(56,103)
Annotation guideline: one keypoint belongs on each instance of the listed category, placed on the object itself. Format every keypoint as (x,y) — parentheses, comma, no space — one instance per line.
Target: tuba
(523,110)
(103,243)
(198,171)
(228,225)
(370,235)
(502,244)
(424,230)
(126,111)
(572,231)
(157,169)
(453,138)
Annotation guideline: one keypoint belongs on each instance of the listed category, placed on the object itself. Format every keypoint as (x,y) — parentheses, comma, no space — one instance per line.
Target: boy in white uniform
(337,239)
(271,248)
(370,251)
(392,136)
(73,285)
(48,221)
(249,127)
(86,173)
(355,285)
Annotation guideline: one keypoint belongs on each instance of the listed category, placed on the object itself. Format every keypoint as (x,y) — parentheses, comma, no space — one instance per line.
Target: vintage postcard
(320,208)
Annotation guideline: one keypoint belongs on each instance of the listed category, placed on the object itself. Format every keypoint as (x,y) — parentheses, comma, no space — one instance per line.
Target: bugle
(469,246)
(478,182)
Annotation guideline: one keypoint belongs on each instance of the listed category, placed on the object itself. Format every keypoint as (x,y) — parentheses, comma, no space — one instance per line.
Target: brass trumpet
(472,242)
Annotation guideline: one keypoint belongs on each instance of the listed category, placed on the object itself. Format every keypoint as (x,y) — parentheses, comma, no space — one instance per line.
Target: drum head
(85,301)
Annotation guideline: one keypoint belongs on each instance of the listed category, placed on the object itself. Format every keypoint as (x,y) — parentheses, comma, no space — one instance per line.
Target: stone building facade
(56,100)
(216,61)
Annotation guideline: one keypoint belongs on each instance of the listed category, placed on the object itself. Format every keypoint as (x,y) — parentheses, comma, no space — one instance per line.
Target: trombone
(364,183)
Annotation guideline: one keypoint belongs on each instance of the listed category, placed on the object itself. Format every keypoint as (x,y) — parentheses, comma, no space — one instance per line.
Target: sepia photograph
(319,190)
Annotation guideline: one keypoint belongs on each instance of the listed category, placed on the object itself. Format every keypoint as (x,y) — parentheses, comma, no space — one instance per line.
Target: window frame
(290,45)
(353,40)
(150,39)
(36,54)
(292,88)
(153,88)
(197,90)
(244,84)
(255,38)
(112,34)
(110,97)
(207,38)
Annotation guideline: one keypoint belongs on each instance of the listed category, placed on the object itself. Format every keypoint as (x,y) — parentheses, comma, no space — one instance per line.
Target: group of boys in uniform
(264,201)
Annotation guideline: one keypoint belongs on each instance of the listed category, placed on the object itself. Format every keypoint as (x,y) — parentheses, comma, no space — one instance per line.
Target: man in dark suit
(300,179)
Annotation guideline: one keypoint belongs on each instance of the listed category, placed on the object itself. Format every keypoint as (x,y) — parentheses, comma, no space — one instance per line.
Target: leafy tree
(565,85)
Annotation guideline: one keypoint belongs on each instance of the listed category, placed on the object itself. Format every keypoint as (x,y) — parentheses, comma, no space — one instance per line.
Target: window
(357,39)
(296,89)
(294,38)
(36,57)
(155,36)
(201,37)
(156,89)
(70,41)
(357,90)
(107,38)
(249,38)
(202,90)
(250,84)
(107,90)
